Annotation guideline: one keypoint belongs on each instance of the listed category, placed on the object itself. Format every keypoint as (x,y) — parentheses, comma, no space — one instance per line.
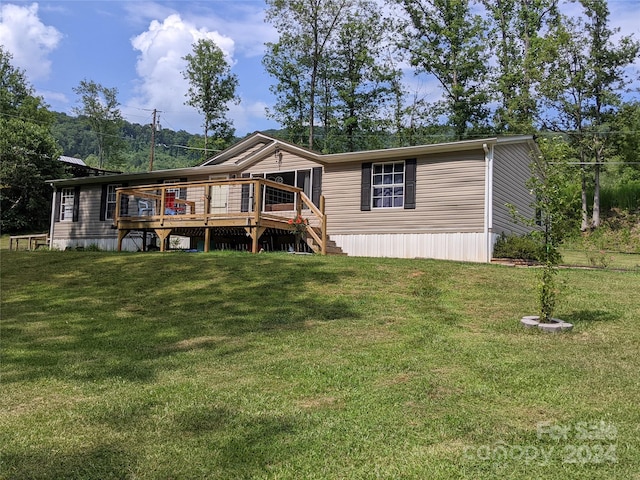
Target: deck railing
(253,203)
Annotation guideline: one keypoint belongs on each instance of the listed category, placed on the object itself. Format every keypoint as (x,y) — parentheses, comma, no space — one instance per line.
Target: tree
(547,184)
(517,33)
(211,87)
(285,62)
(446,40)
(306,28)
(551,225)
(607,78)
(28,153)
(582,87)
(626,140)
(360,90)
(99,106)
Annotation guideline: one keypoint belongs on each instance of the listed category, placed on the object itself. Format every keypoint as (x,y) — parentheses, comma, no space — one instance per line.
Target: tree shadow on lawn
(590,316)
(221,443)
(123,316)
(244,443)
(103,461)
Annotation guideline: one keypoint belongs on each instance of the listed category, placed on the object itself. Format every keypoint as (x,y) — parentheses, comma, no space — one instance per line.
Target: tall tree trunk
(584,226)
(206,137)
(596,197)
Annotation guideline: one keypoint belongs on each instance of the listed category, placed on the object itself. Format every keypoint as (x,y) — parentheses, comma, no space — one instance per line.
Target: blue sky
(137,46)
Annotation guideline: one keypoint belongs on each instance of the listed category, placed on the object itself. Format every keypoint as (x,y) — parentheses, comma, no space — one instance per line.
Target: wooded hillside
(173,149)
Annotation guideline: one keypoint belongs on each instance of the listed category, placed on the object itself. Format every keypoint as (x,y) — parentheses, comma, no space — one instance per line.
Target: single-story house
(445,201)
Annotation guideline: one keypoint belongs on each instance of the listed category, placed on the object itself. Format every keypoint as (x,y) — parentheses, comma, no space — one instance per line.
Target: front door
(219,196)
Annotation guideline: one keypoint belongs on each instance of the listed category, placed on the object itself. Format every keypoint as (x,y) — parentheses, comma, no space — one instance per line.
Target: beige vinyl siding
(511,170)
(290,162)
(244,154)
(449,198)
(88,224)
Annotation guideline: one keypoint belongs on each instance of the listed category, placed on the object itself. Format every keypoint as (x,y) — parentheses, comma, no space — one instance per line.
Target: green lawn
(230,366)
(600,259)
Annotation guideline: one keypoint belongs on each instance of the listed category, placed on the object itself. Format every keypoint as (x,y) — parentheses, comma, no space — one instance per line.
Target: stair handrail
(319,213)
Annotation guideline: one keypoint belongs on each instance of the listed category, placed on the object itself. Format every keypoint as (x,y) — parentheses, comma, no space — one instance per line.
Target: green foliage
(77,140)
(548,184)
(620,232)
(625,196)
(517,36)
(598,258)
(334,89)
(626,141)
(99,108)
(525,247)
(447,40)
(28,154)
(211,87)
(547,291)
(585,77)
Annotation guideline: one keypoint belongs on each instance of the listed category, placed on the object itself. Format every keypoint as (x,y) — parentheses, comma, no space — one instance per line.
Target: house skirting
(467,247)
(131,243)
(106,244)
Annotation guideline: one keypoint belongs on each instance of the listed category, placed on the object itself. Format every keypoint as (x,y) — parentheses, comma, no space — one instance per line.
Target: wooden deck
(200,209)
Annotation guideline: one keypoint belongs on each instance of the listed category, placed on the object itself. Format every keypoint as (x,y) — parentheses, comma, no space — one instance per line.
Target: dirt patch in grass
(319,403)
(194,343)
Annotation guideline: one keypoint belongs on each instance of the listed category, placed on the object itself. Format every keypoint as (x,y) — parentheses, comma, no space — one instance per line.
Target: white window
(67,199)
(110,213)
(387,184)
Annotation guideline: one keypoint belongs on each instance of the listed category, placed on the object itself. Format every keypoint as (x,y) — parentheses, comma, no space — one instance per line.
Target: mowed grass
(275,366)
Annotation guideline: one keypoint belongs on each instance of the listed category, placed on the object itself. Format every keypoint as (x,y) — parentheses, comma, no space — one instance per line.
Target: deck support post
(255,233)
(207,239)
(323,233)
(121,235)
(163,234)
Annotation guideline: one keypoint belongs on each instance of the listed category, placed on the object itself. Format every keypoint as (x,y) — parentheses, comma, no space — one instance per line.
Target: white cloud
(50,97)
(28,39)
(160,65)
(160,83)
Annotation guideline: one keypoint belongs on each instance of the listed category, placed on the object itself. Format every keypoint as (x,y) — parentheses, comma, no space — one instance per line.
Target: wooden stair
(332,248)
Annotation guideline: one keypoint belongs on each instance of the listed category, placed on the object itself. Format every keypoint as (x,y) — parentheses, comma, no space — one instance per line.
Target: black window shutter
(76,204)
(124,202)
(316,186)
(183,190)
(244,202)
(365,192)
(410,183)
(57,206)
(103,204)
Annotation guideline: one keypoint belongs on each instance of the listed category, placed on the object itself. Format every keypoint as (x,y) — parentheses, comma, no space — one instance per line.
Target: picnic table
(34,241)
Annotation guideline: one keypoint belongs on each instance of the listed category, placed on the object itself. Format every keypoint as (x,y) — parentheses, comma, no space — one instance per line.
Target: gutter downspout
(53,216)
(488,200)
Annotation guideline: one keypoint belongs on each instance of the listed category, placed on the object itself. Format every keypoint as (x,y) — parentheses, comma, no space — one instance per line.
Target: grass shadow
(94,316)
(590,316)
(102,461)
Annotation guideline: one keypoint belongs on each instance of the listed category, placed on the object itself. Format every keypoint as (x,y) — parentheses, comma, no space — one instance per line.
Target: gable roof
(268,145)
(258,146)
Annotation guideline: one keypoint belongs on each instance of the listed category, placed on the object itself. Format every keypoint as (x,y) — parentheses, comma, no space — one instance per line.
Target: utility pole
(153,139)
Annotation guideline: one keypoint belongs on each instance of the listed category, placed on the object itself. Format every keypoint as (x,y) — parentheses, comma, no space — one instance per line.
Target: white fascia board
(408,152)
